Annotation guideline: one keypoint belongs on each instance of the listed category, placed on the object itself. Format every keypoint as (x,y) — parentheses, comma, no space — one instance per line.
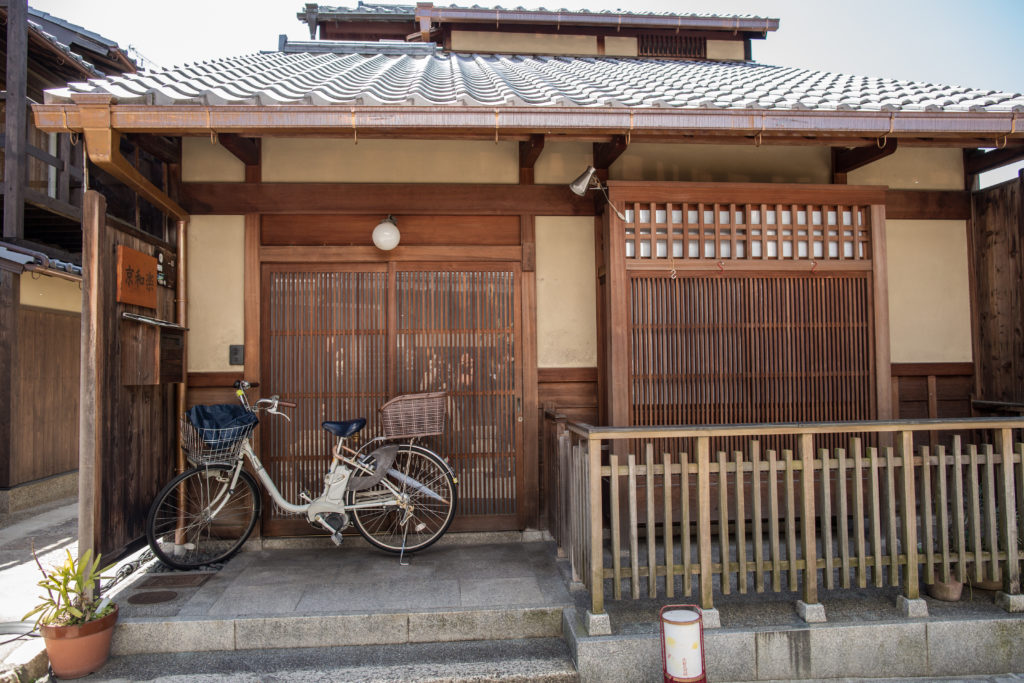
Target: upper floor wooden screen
(745,303)
(746,231)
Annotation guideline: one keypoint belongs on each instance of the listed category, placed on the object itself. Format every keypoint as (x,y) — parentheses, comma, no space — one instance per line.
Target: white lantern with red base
(682,644)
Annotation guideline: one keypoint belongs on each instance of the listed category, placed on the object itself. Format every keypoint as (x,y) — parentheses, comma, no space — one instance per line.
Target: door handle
(519,409)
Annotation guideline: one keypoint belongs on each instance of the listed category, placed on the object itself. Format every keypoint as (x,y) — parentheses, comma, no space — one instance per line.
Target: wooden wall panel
(10,296)
(570,391)
(45,431)
(932,390)
(998,226)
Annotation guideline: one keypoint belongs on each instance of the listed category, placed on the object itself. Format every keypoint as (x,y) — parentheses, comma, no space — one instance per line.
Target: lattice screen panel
(326,346)
(456,333)
(753,232)
(753,348)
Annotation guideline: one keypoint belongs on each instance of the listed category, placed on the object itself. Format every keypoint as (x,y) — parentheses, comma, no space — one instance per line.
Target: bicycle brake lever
(278,412)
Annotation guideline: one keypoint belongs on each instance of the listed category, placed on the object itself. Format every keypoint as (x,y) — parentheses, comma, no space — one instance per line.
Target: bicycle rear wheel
(199,519)
(426,485)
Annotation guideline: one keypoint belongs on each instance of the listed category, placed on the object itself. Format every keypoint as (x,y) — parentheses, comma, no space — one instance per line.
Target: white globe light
(386,235)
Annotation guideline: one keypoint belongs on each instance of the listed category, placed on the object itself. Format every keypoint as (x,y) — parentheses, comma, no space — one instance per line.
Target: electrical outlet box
(236,354)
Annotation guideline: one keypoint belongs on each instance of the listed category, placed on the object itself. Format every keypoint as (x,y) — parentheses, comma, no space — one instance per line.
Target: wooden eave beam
(605,153)
(246,150)
(846,160)
(978,161)
(367,198)
(529,152)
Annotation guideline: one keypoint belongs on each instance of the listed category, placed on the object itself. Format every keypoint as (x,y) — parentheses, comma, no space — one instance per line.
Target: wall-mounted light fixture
(588,180)
(386,235)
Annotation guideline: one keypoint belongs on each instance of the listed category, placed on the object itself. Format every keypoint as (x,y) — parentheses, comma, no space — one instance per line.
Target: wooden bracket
(529,152)
(246,150)
(846,160)
(163,149)
(605,153)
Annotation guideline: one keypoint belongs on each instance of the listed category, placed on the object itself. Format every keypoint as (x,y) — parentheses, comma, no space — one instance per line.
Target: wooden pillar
(880,290)
(92,425)
(530,410)
(909,515)
(16,124)
(807,517)
(10,299)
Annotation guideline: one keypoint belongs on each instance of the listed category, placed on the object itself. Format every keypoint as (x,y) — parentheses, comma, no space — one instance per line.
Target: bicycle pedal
(337,538)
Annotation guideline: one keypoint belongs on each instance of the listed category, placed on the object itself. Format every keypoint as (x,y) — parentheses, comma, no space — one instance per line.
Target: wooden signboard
(136,278)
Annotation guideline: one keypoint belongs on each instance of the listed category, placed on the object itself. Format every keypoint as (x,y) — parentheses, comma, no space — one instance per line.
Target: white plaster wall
(914,168)
(929,295)
(203,160)
(45,291)
(341,160)
(723,163)
(216,293)
(566,292)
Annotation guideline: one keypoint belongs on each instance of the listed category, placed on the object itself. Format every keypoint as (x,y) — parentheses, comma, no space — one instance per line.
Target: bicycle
(400,496)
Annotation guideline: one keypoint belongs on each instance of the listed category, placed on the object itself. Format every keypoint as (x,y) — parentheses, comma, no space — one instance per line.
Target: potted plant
(76,626)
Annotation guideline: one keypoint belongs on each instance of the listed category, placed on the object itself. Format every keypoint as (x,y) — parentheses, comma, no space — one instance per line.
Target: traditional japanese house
(755,244)
(40,273)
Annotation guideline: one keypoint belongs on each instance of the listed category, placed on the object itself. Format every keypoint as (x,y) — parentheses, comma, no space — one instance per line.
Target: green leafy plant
(69,599)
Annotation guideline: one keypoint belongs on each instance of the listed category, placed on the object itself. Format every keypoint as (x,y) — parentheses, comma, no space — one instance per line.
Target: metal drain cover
(152,597)
(175,581)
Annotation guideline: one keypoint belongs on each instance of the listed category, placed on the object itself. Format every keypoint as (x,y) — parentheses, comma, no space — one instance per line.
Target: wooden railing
(649,511)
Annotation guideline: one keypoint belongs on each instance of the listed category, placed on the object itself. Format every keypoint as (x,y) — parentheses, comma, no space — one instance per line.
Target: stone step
(545,660)
(140,635)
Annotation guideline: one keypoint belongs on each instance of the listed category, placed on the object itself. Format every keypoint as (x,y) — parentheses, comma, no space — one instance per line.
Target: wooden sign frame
(136,277)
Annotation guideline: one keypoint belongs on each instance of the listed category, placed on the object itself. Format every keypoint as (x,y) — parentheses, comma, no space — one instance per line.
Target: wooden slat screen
(730,349)
(456,333)
(326,349)
(752,232)
(671,45)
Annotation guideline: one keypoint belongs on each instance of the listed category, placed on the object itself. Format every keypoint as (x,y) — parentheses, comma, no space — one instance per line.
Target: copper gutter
(190,119)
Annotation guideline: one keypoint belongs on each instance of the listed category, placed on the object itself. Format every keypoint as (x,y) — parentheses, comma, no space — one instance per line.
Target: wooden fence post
(807,520)
(704,511)
(596,546)
(1008,520)
(908,515)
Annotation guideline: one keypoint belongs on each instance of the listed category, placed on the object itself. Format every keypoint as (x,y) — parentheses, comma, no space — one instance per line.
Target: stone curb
(26,664)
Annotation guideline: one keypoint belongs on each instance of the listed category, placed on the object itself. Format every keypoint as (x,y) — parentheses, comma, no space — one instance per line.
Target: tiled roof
(449,79)
(374,8)
(70,38)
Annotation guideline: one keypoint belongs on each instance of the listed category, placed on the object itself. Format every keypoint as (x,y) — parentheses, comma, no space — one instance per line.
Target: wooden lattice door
(340,341)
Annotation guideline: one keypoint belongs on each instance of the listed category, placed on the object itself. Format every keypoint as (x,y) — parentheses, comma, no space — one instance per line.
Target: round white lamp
(386,235)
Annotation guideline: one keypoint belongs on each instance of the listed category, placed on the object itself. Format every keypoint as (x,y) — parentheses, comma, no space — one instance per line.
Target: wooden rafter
(529,152)
(163,149)
(978,161)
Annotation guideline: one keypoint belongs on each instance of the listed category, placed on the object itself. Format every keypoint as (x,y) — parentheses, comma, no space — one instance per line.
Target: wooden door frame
(521,257)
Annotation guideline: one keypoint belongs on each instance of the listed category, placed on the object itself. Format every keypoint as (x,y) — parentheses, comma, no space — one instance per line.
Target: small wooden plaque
(136,278)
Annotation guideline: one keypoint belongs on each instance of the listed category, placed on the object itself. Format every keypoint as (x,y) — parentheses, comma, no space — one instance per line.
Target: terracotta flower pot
(77,651)
(950,591)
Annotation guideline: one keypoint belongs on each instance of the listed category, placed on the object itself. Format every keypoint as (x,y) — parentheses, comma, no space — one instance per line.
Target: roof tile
(502,80)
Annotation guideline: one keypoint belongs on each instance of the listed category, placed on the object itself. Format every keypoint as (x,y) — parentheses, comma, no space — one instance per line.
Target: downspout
(102,143)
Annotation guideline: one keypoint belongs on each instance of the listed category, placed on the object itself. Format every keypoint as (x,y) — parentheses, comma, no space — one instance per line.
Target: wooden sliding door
(341,340)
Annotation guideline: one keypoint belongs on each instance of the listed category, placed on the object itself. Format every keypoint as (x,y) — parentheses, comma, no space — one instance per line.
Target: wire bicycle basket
(412,415)
(210,446)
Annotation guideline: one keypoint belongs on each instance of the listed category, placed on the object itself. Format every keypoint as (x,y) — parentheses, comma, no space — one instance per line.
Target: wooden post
(92,434)
(16,123)
(807,520)
(10,300)
(530,515)
(1008,518)
(704,520)
(908,513)
(880,278)
(596,549)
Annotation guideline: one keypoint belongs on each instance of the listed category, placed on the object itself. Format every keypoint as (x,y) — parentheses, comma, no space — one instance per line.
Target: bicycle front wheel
(199,518)
(426,491)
